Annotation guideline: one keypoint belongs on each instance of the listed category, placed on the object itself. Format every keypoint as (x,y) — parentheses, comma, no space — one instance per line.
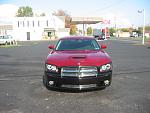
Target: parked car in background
(77,63)
(7,40)
(134,34)
(97,33)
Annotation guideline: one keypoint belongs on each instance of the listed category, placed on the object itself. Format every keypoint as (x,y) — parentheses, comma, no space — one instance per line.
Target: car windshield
(77,44)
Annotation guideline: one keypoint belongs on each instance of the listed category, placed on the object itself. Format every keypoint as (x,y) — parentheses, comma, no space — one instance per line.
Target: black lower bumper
(101,81)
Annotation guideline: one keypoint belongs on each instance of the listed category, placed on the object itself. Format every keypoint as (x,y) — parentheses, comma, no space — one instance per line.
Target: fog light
(51,82)
(106,82)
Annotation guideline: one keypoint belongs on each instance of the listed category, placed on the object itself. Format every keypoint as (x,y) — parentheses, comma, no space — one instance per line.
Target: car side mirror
(103,46)
(51,47)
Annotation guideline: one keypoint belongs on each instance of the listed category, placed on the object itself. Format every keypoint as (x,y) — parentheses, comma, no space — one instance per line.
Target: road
(22,91)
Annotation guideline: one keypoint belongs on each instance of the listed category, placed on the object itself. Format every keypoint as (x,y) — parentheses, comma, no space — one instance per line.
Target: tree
(73,29)
(147,28)
(125,29)
(140,30)
(66,15)
(112,31)
(89,30)
(39,15)
(24,11)
(131,29)
(42,14)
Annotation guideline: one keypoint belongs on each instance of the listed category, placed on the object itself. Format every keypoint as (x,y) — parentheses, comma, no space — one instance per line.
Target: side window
(95,44)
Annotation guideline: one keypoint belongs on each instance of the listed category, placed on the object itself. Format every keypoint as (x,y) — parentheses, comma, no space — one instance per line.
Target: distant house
(4,29)
(6,26)
(34,28)
(122,34)
(147,33)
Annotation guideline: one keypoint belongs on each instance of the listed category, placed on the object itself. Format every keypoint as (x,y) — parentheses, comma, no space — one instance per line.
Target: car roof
(76,37)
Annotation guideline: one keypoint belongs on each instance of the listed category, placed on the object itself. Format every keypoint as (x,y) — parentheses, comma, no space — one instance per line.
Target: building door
(28,35)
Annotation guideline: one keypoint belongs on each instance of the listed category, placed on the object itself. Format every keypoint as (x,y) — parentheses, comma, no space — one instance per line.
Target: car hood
(78,58)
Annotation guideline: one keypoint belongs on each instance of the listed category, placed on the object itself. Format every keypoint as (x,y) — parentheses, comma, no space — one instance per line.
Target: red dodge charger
(77,63)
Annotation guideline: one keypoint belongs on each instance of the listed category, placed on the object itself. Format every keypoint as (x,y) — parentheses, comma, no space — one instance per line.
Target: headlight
(106,67)
(51,68)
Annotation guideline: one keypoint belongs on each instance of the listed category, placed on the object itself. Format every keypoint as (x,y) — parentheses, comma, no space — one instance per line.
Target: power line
(112,4)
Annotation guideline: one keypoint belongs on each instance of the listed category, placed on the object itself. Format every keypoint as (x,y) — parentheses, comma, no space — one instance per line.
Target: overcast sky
(125,11)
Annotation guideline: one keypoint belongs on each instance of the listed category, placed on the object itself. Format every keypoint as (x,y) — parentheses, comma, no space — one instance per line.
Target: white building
(34,28)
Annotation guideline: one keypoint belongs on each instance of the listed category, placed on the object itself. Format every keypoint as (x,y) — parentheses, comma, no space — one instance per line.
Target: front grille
(78,71)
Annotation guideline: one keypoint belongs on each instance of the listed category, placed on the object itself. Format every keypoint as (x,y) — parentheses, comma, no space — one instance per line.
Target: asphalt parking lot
(22,91)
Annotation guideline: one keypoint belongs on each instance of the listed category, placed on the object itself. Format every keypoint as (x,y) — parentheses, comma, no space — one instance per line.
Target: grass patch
(138,44)
(8,46)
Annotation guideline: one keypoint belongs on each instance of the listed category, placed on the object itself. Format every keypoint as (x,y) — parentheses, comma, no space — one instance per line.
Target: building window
(18,23)
(28,23)
(23,23)
(47,23)
(38,23)
(33,23)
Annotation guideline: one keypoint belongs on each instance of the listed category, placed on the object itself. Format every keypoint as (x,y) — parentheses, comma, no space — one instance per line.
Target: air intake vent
(78,57)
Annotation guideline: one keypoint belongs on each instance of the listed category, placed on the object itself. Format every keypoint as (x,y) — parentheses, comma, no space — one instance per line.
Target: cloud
(8,10)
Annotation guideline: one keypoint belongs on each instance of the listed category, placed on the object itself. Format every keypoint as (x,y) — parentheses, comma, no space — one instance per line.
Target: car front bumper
(79,83)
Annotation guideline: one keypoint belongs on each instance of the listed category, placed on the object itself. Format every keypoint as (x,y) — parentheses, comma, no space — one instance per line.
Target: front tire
(45,83)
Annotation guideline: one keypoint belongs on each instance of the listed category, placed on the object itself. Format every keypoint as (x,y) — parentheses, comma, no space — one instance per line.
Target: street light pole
(143,26)
(140,11)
